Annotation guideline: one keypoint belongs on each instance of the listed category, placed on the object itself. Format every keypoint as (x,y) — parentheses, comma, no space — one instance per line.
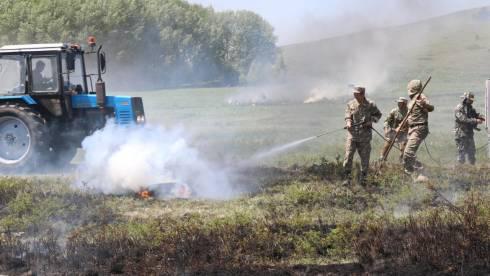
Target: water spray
(282,148)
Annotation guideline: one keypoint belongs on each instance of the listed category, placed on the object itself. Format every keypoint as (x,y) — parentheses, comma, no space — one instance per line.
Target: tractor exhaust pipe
(100,92)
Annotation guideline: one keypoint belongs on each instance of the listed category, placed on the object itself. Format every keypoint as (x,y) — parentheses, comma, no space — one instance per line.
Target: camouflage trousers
(466,146)
(364,150)
(416,136)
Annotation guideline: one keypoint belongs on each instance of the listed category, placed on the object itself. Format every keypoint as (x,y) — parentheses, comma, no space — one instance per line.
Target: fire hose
(337,130)
(384,138)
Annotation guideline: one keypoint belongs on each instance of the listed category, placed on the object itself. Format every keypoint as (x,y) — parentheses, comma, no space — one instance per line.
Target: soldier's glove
(348,126)
(479,121)
(421,102)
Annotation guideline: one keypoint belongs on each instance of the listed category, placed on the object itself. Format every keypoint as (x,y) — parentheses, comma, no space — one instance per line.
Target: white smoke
(122,159)
(325,71)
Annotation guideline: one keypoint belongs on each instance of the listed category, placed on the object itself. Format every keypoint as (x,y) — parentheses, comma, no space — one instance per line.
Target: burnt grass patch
(296,220)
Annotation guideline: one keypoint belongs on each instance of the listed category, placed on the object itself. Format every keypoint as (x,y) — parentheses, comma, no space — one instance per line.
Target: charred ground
(296,220)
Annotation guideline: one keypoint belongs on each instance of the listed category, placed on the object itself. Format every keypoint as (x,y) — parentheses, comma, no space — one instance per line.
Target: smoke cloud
(367,50)
(121,159)
(325,70)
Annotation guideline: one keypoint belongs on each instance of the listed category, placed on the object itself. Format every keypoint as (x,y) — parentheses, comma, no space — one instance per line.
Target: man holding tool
(418,124)
(391,123)
(466,120)
(359,117)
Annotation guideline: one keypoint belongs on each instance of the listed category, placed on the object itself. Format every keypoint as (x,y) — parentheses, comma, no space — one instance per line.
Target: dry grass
(297,220)
(449,239)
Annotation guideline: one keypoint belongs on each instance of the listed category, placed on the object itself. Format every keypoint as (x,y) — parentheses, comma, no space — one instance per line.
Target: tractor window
(73,80)
(44,74)
(12,74)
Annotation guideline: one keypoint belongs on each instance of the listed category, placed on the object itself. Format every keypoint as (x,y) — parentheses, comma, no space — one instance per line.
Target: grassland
(297,220)
(233,132)
(296,217)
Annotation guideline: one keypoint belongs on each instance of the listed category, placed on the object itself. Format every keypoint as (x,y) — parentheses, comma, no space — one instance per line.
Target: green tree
(156,42)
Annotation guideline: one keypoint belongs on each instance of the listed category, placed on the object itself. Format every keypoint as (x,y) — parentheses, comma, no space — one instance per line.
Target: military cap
(414,86)
(359,89)
(402,100)
(468,95)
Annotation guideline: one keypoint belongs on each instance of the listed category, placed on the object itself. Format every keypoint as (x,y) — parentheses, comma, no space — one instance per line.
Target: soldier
(466,119)
(359,117)
(391,124)
(418,125)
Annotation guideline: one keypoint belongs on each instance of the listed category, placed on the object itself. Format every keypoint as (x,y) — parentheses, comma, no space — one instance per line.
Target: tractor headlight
(140,119)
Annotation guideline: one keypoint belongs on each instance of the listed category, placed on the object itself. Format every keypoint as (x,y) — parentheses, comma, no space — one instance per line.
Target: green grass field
(233,132)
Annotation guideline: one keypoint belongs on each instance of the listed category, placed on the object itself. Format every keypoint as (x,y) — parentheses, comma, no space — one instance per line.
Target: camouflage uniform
(391,123)
(418,123)
(359,136)
(466,119)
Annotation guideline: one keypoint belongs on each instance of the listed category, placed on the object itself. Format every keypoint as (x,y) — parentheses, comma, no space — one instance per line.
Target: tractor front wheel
(22,138)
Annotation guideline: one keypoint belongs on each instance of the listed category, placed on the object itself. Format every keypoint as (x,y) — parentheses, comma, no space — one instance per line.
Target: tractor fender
(20,98)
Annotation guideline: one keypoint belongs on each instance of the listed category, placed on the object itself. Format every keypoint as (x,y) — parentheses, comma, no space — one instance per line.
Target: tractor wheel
(23,135)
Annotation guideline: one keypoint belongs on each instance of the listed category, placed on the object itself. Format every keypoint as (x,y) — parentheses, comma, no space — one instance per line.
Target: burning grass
(295,220)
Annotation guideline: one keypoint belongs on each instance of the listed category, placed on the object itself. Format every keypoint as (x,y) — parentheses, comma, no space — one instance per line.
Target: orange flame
(145,194)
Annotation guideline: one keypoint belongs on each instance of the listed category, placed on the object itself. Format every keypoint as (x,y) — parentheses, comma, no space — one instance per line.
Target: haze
(300,21)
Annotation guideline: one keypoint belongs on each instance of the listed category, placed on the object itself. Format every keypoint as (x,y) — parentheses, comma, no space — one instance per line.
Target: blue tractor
(48,103)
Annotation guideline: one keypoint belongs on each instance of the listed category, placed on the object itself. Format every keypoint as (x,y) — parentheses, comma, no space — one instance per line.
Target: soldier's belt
(419,124)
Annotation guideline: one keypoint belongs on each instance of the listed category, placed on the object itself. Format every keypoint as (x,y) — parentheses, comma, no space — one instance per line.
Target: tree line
(153,43)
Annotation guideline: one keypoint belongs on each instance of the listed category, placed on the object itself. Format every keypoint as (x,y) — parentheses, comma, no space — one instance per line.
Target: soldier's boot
(471,159)
(363,178)
(418,166)
(461,157)
(347,178)
(408,166)
(461,161)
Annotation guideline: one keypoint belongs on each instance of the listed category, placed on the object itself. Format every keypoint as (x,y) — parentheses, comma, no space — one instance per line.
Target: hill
(452,48)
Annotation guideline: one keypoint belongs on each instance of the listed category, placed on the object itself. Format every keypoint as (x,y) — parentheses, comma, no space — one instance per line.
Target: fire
(145,194)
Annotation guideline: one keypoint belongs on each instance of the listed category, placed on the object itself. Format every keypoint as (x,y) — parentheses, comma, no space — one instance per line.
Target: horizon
(311,20)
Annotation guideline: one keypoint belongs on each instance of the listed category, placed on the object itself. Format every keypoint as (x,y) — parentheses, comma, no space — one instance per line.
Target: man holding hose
(418,125)
(359,117)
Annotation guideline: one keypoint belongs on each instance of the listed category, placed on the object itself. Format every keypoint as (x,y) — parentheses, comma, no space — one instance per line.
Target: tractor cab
(48,100)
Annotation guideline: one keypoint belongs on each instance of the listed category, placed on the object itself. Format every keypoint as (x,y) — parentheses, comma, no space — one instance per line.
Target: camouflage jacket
(395,118)
(465,120)
(419,115)
(356,113)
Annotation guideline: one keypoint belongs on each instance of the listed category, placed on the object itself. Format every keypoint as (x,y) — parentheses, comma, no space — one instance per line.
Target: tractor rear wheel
(23,135)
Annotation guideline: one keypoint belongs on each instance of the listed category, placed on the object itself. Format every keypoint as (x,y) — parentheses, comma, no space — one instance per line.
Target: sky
(296,21)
